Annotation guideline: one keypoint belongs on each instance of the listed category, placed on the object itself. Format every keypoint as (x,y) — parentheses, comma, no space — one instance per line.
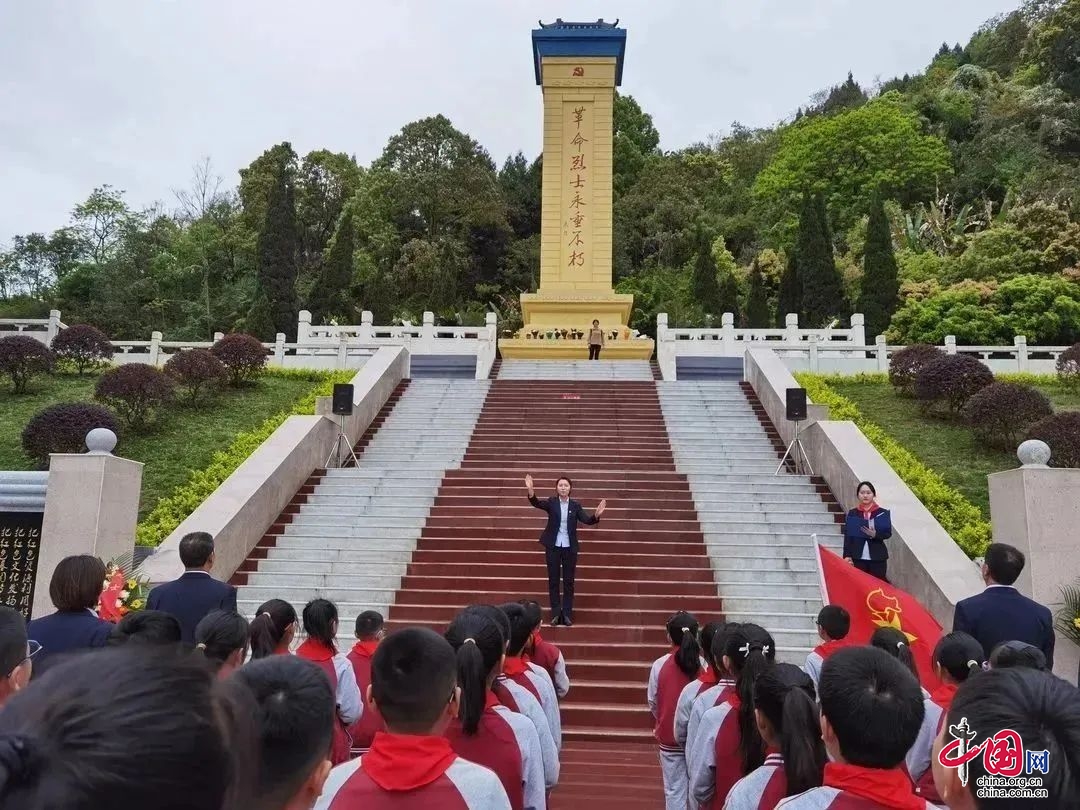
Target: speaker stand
(336,453)
(797,453)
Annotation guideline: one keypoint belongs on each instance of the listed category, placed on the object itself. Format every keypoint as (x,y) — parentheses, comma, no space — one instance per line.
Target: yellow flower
(131,584)
(138,604)
(1076,622)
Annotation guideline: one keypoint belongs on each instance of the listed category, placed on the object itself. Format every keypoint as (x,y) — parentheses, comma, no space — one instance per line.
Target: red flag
(872,603)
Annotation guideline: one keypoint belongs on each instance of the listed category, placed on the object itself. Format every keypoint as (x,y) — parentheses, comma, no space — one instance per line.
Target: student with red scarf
(866,529)
(708,678)
(369,632)
(957,657)
(727,744)
(871,712)
(412,764)
(712,696)
(534,678)
(669,675)
(320,618)
(543,653)
(787,716)
(485,731)
(833,625)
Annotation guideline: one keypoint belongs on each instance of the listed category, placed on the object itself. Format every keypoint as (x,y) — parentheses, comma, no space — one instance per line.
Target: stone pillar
(791,329)
(727,335)
(882,353)
(279,350)
(1037,509)
(155,348)
(950,344)
(303,326)
(1020,342)
(54,325)
(91,507)
(857,335)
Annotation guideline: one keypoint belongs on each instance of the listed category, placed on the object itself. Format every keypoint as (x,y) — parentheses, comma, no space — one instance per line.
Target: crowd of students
(272,715)
(853,727)
(203,710)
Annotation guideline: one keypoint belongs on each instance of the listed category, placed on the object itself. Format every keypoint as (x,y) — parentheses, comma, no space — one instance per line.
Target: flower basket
(1068,615)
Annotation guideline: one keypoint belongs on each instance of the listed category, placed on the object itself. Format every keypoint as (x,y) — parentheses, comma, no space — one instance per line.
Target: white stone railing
(44,329)
(832,351)
(316,347)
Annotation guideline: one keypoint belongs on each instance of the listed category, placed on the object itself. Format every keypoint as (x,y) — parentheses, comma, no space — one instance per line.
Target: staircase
(604,428)
(350,533)
(757,525)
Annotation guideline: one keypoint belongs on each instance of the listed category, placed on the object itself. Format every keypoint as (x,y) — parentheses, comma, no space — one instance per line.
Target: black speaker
(343,398)
(796,404)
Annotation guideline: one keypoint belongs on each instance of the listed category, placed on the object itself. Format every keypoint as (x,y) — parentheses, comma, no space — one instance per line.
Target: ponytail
(895,643)
(682,629)
(220,634)
(479,644)
(785,695)
(960,655)
(269,626)
(752,652)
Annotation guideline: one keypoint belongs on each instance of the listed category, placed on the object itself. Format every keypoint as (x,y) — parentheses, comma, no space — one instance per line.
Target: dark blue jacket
(66,632)
(854,538)
(190,598)
(1004,614)
(575,514)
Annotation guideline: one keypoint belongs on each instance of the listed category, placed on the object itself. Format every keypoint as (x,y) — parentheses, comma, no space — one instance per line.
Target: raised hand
(529,483)
(601,507)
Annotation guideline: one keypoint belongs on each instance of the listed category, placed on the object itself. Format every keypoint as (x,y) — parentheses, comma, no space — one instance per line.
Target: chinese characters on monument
(577,162)
(20,541)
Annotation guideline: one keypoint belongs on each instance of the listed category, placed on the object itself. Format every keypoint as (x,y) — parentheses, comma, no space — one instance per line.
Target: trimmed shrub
(22,358)
(1062,432)
(83,346)
(1000,413)
(197,372)
(962,519)
(947,383)
(906,363)
(62,429)
(1068,366)
(137,392)
(243,355)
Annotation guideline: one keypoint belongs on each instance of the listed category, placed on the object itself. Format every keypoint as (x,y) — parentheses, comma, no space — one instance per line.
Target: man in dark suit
(1002,613)
(196,593)
(560,542)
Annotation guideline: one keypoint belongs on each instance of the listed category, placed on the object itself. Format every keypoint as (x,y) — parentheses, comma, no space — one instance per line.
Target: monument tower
(578,65)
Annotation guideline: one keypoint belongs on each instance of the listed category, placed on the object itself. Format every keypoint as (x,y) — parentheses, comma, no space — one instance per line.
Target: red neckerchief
(401,762)
(709,677)
(491,700)
(365,649)
(515,666)
(943,695)
(315,650)
(829,647)
(889,788)
(868,513)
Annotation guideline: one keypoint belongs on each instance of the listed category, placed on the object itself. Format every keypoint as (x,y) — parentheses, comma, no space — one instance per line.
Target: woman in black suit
(866,529)
(560,542)
(75,589)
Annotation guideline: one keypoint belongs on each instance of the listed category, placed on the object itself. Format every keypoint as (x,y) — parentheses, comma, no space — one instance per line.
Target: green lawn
(947,448)
(185,440)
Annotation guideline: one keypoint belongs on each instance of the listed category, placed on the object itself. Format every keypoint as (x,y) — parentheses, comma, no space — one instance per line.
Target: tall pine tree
(330,294)
(757,299)
(822,286)
(789,299)
(880,285)
(704,283)
(276,254)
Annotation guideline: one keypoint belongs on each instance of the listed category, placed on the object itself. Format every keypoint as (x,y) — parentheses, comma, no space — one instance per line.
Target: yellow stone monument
(579,65)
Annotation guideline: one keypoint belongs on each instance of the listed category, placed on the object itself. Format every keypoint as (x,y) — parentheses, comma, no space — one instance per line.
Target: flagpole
(820,570)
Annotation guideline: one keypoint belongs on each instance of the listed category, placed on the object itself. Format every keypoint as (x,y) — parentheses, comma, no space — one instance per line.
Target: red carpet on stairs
(644,561)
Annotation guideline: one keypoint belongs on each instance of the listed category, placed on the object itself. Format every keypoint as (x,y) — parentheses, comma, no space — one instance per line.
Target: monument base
(556,326)
(533,349)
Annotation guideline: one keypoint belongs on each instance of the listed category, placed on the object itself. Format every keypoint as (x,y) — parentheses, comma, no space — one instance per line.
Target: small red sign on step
(571,396)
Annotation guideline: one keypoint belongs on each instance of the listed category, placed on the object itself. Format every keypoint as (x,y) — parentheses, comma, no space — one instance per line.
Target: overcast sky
(135,92)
